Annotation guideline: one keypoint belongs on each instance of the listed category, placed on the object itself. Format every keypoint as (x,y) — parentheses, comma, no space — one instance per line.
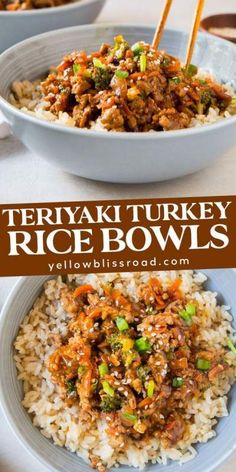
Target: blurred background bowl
(117,157)
(211,455)
(220,22)
(19,25)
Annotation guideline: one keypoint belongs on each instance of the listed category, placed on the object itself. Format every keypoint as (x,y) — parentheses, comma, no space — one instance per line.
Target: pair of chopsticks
(194,30)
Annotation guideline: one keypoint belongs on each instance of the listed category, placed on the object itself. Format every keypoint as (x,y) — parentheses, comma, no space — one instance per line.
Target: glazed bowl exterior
(210,455)
(117,157)
(19,25)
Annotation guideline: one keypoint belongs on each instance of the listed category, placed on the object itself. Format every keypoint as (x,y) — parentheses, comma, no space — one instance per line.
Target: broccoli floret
(206,98)
(102,78)
(143,372)
(71,387)
(120,47)
(109,404)
(115,342)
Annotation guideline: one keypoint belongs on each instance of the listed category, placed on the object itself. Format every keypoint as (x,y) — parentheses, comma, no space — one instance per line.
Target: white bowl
(117,157)
(19,25)
(211,455)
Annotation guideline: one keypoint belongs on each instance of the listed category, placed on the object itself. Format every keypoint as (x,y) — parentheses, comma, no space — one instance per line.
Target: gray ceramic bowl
(117,157)
(16,26)
(21,299)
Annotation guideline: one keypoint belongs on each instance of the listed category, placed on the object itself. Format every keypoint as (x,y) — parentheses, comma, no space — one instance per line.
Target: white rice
(61,423)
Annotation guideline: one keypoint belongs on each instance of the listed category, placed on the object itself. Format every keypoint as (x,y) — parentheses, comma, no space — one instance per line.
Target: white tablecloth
(26,178)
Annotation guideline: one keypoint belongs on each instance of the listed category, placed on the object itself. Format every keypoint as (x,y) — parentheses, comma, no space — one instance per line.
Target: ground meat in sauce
(136,365)
(130,89)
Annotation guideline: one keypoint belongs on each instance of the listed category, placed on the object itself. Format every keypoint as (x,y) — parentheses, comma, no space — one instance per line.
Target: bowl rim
(4,312)
(108,135)
(72,5)
(17,431)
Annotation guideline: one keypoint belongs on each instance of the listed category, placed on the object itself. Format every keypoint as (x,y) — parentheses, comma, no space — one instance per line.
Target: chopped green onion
(143,63)
(108,389)
(81,369)
(231,346)
(202,82)
(203,364)
(176,80)
(150,388)
(191,70)
(177,382)
(131,418)
(121,74)
(186,317)
(121,324)
(142,345)
(103,369)
(98,64)
(191,309)
(76,68)
(137,48)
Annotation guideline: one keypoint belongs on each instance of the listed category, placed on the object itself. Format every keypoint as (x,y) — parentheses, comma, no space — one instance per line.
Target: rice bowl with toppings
(124,88)
(98,353)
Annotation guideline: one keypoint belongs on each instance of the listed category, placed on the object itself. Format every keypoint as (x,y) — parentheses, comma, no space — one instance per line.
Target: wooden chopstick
(194,31)
(161,25)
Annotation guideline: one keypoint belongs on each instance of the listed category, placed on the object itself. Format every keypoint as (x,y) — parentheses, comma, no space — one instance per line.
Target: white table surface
(26,178)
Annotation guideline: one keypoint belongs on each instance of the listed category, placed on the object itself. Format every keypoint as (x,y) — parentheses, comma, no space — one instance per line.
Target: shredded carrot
(64,65)
(120,299)
(135,75)
(145,402)
(83,289)
(95,312)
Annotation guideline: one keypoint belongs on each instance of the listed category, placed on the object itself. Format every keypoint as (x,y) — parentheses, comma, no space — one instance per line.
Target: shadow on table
(9,147)
(181,187)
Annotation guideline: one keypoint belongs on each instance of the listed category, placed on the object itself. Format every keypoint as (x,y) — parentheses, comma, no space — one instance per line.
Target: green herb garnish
(191,70)
(137,49)
(121,74)
(143,63)
(188,313)
(129,417)
(76,68)
(203,364)
(103,369)
(150,388)
(98,64)
(121,324)
(176,80)
(230,345)
(108,389)
(81,369)
(177,382)
(142,345)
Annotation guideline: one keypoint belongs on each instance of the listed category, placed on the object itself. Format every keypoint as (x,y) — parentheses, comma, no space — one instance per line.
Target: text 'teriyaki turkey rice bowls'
(21,19)
(130,370)
(99,102)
